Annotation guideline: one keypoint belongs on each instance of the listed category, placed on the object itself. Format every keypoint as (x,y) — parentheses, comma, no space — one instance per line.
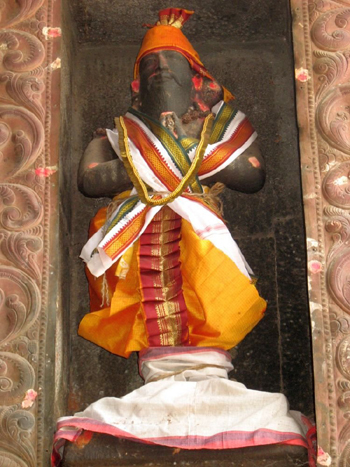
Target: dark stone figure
(166,86)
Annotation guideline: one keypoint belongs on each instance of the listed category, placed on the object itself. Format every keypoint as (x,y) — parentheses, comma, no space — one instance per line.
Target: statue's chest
(193,128)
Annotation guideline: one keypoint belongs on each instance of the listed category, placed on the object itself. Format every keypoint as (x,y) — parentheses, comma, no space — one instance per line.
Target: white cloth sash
(204,222)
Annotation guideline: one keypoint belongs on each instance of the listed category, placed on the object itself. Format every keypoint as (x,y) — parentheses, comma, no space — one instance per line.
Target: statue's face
(160,67)
(165,83)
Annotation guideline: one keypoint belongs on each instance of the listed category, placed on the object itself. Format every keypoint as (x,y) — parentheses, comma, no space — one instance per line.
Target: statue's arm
(100,172)
(245,174)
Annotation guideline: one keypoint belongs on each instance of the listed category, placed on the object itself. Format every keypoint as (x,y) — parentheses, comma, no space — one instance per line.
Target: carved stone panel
(321,34)
(28,132)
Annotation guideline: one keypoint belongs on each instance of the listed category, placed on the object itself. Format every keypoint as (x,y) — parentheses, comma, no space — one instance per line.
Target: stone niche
(247,47)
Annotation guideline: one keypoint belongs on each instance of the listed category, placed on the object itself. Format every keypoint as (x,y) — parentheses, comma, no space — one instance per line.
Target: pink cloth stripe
(224,440)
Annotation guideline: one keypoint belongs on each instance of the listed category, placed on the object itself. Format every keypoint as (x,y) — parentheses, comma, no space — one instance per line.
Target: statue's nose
(162,62)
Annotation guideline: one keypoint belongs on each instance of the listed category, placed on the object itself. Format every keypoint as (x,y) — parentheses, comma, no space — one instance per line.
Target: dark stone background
(247,47)
(118,22)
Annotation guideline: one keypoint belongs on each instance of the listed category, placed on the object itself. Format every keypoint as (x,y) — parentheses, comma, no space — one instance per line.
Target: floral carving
(315,6)
(343,357)
(331,30)
(336,185)
(16,377)
(20,51)
(333,118)
(338,273)
(20,207)
(23,10)
(345,457)
(339,324)
(16,426)
(21,140)
(339,280)
(19,303)
(22,250)
(10,459)
(35,24)
(331,68)
(321,31)
(344,399)
(27,348)
(342,2)
(23,233)
(327,159)
(338,225)
(26,89)
(34,179)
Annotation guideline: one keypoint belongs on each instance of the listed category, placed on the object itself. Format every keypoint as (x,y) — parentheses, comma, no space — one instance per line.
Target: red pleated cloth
(161,281)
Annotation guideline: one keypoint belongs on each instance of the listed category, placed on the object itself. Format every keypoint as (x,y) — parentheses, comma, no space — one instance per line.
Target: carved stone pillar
(29,112)
(321,34)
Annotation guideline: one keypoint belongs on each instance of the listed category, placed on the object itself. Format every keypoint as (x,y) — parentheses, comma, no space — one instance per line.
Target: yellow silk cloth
(223,305)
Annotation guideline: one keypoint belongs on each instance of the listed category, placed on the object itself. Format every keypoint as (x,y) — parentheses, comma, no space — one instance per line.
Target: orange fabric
(224,150)
(120,327)
(167,38)
(166,34)
(127,235)
(228,96)
(223,306)
(151,155)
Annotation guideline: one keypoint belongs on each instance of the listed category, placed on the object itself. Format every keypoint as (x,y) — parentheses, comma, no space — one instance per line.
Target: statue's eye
(148,62)
(176,56)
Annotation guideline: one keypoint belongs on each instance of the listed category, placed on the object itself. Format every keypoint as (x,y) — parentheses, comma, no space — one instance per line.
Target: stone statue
(166,278)
(166,84)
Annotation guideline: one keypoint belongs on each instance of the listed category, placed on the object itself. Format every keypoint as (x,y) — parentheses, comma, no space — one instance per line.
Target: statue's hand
(245,174)
(100,172)
(172,122)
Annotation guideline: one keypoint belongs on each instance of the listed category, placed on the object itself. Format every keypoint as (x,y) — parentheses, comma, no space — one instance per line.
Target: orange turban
(166,34)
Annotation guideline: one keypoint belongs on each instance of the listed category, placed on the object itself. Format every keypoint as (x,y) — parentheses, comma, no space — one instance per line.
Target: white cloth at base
(193,405)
